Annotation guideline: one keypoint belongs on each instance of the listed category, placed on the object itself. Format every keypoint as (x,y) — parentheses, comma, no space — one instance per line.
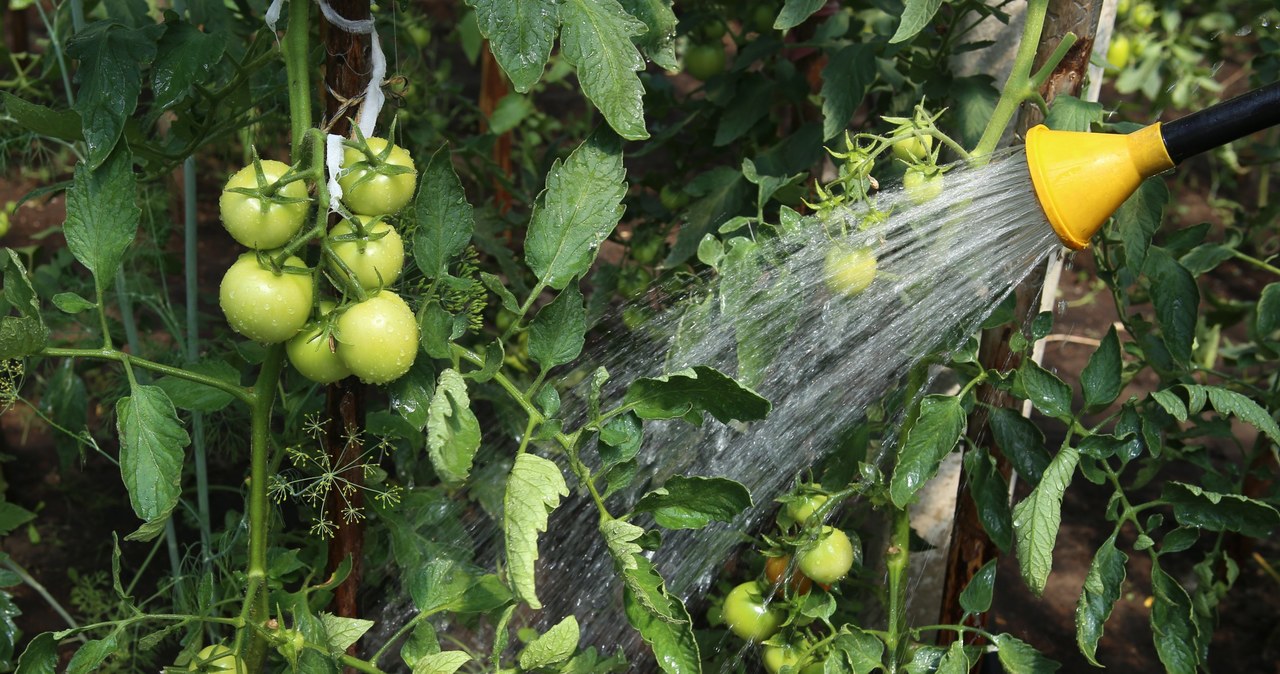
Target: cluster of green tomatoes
(765,610)
(271,296)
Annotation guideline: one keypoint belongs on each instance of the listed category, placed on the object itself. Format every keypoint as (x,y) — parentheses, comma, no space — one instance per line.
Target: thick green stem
(237,391)
(1018,87)
(296,72)
(255,610)
(896,558)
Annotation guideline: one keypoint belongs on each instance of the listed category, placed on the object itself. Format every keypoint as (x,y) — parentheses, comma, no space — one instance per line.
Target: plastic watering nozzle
(1082,178)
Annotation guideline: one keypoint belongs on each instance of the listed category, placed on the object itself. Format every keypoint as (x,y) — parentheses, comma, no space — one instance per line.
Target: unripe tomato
(262,305)
(1144,14)
(375,259)
(849,271)
(366,190)
(379,338)
(704,61)
(217,658)
(921,184)
(911,149)
(314,355)
(257,222)
(1118,52)
(763,16)
(801,509)
(830,559)
(673,198)
(747,615)
(633,281)
(713,29)
(645,249)
(775,568)
(777,657)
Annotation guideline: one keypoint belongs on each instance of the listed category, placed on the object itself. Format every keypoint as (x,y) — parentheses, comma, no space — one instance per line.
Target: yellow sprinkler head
(1082,178)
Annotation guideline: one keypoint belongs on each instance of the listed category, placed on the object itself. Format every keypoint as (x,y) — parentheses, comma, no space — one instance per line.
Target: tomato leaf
(1100,380)
(558,332)
(1037,517)
(444,216)
(595,36)
(933,436)
(620,439)
(152,440)
(976,596)
(1137,220)
(692,391)
(520,34)
(1177,302)
(749,105)
(551,647)
(185,56)
(197,397)
(1206,258)
(422,642)
(1072,114)
(92,654)
(694,502)
(1022,443)
(1243,408)
(1194,506)
(794,12)
(444,662)
(40,656)
(102,216)
(1101,590)
(24,334)
(1019,657)
(1267,320)
(722,192)
(661,619)
(845,81)
(110,73)
(343,632)
(1050,395)
(411,394)
(534,488)
(13,516)
(576,213)
(43,120)
(916,15)
(1172,626)
(990,493)
(659,40)
(861,651)
(453,433)
(954,661)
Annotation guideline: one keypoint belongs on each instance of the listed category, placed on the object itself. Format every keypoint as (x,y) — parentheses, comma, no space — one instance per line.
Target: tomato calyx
(268,190)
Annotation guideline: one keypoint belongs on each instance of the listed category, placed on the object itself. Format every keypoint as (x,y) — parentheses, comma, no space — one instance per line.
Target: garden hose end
(1082,178)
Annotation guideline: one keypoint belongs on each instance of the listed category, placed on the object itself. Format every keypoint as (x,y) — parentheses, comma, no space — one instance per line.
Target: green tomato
(704,61)
(217,658)
(366,190)
(849,271)
(420,34)
(378,338)
(375,259)
(673,198)
(777,657)
(802,508)
(258,222)
(1118,52)
(633,281)
(747,615)
(262,305)
(921,185)
(911,149)
(830,559)
(1144,14)
(4,223)
(763,17)
(314,355)
(713,29)
(646,248)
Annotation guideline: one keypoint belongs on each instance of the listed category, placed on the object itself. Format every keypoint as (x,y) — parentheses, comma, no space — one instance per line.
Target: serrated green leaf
(1205,258)
(1171,403)
(1100,381)
(185,56)
(24,334)
(861,650)
(932,437)
(110,74)
(1267,317)
(577,212)
(659,40)
(1194,506)
(1137,220)
(954,661)
(197,397)
(453,432)
(1019,657)
(975,100)
(620,439)
(520,34)
(1037,517)
(558,332)
(40,656)
(43,120)
(1172,626)
(595,36)
(694,502)
(1244,409)
(13,516)
(91,655)
(411,394)
(102,216)
(72,303)
(445,221)
(794,12)
(1177,302)
(505,296)
(750,104)
(444,662)
(620,537)
(916,15)
(976,596)
(1072,114)
(990,494)
(551,647)
(1049,394)
(845,81)
(661,619)
(152,440)
(422,642)
(438,583)
(1101,590)
(343,632)
(692,391)
(722,193)
(435,327)
(534,488)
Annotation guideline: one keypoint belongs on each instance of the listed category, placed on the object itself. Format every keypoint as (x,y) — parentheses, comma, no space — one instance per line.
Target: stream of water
(944,265)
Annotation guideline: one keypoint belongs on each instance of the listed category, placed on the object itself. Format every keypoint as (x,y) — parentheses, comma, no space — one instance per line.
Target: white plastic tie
(333,153)
(273,14)
(371,106)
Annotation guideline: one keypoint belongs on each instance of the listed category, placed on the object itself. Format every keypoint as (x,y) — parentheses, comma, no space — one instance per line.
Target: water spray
(1080,179)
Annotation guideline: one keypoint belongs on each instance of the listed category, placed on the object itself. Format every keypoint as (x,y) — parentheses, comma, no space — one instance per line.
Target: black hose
(1222,123)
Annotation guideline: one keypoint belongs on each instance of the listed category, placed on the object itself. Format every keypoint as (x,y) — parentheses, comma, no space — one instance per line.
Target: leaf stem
(128,360)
